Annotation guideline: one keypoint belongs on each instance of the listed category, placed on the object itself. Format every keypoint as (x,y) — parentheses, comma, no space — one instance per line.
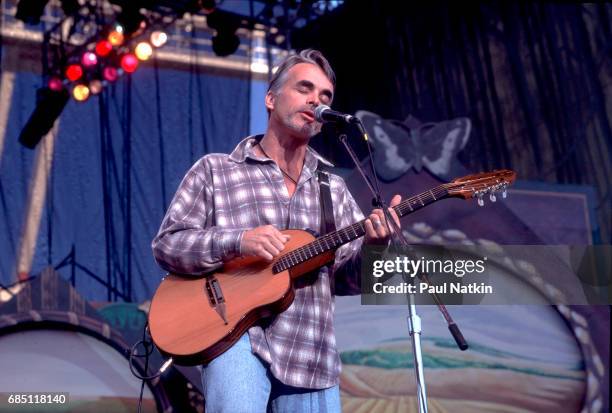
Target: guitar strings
(302,253)
(297,254)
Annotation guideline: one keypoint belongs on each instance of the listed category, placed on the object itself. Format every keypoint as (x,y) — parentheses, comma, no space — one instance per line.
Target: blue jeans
(238,381)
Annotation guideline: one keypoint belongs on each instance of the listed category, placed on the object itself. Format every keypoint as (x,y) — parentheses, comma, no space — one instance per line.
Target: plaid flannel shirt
(222,196)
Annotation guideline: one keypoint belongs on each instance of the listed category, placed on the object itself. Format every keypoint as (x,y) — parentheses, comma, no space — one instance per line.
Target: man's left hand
(376,226)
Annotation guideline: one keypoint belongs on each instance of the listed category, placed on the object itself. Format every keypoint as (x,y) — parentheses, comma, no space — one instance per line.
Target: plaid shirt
(224,195)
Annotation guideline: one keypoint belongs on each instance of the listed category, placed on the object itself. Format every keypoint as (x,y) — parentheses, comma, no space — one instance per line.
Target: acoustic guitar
(193,320)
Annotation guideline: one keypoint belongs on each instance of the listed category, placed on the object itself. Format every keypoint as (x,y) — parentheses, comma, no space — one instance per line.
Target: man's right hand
(266,242)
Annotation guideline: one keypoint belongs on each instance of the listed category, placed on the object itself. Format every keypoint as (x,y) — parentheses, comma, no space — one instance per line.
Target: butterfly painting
(401,145)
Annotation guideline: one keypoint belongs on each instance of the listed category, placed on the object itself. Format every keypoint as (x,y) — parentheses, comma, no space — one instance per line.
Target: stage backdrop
(533,77)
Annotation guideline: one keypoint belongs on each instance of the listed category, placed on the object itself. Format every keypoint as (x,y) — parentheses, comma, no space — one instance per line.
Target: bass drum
(58,352)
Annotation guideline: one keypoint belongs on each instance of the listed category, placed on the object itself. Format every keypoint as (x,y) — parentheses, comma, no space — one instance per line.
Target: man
(235,205)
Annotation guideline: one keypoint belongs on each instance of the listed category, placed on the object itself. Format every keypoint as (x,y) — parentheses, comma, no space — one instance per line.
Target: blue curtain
(118,159)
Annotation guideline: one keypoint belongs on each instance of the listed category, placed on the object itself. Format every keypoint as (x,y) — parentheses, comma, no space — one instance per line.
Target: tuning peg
(480,200)
(492,197)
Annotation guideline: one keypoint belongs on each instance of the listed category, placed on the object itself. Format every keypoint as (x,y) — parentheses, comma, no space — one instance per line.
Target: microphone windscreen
(318,112)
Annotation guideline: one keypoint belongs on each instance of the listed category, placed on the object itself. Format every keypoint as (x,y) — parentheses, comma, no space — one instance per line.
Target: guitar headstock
(478,185)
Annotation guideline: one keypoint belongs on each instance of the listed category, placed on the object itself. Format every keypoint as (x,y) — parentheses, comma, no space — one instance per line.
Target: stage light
(103,48)
(80,93)
(158,38)
(110,74)
(74,72)
(225,41)
(130,18)
(49,105)
(30,11)
(89,59)
(115,38)
(129,63)
(225,45)
(95,86)
(143,51)
(55,84)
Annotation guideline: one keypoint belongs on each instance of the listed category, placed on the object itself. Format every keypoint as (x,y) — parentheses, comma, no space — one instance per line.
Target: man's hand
(266,242)
(375,224)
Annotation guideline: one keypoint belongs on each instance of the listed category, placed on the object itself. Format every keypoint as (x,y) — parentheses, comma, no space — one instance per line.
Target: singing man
(235,205)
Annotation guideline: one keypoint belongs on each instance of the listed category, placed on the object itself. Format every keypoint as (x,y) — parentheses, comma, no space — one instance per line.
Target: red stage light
(74,72)
(103,48)
(89,59)
(110,74)
(129,63)
(55,84)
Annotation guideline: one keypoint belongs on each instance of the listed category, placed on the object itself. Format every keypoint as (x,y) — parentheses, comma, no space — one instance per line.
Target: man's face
(292,107)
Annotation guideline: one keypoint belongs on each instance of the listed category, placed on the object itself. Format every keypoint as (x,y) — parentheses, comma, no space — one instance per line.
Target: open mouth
(309,115)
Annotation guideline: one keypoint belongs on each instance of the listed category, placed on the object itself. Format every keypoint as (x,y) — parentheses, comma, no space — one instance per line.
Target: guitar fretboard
(335,239)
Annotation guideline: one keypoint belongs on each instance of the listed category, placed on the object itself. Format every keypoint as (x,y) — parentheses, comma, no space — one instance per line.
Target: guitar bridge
(215,296)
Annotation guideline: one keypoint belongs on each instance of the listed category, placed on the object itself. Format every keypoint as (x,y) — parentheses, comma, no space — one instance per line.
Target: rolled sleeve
(226,244)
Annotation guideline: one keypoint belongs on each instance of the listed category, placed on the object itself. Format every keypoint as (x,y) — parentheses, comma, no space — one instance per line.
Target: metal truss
(189,37)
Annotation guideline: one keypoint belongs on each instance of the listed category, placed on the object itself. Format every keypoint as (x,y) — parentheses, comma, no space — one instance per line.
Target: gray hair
(311,56)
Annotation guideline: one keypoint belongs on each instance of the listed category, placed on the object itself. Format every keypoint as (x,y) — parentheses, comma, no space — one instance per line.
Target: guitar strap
(327,214)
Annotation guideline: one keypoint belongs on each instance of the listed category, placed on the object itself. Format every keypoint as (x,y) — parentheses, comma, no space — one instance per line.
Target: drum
(50,352)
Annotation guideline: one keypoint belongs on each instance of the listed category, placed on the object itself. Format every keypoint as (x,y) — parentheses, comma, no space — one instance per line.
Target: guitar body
(184,323)
(193,320)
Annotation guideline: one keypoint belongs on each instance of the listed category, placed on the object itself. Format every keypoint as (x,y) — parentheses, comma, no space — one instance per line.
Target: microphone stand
(397,238)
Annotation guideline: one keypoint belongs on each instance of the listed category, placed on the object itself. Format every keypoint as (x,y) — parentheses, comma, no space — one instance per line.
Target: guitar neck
(335,239)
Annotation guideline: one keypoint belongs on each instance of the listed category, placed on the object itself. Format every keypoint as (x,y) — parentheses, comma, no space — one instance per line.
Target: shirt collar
(244,149)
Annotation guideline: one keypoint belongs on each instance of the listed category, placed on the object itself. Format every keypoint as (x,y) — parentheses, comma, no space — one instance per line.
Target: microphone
(324,113)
